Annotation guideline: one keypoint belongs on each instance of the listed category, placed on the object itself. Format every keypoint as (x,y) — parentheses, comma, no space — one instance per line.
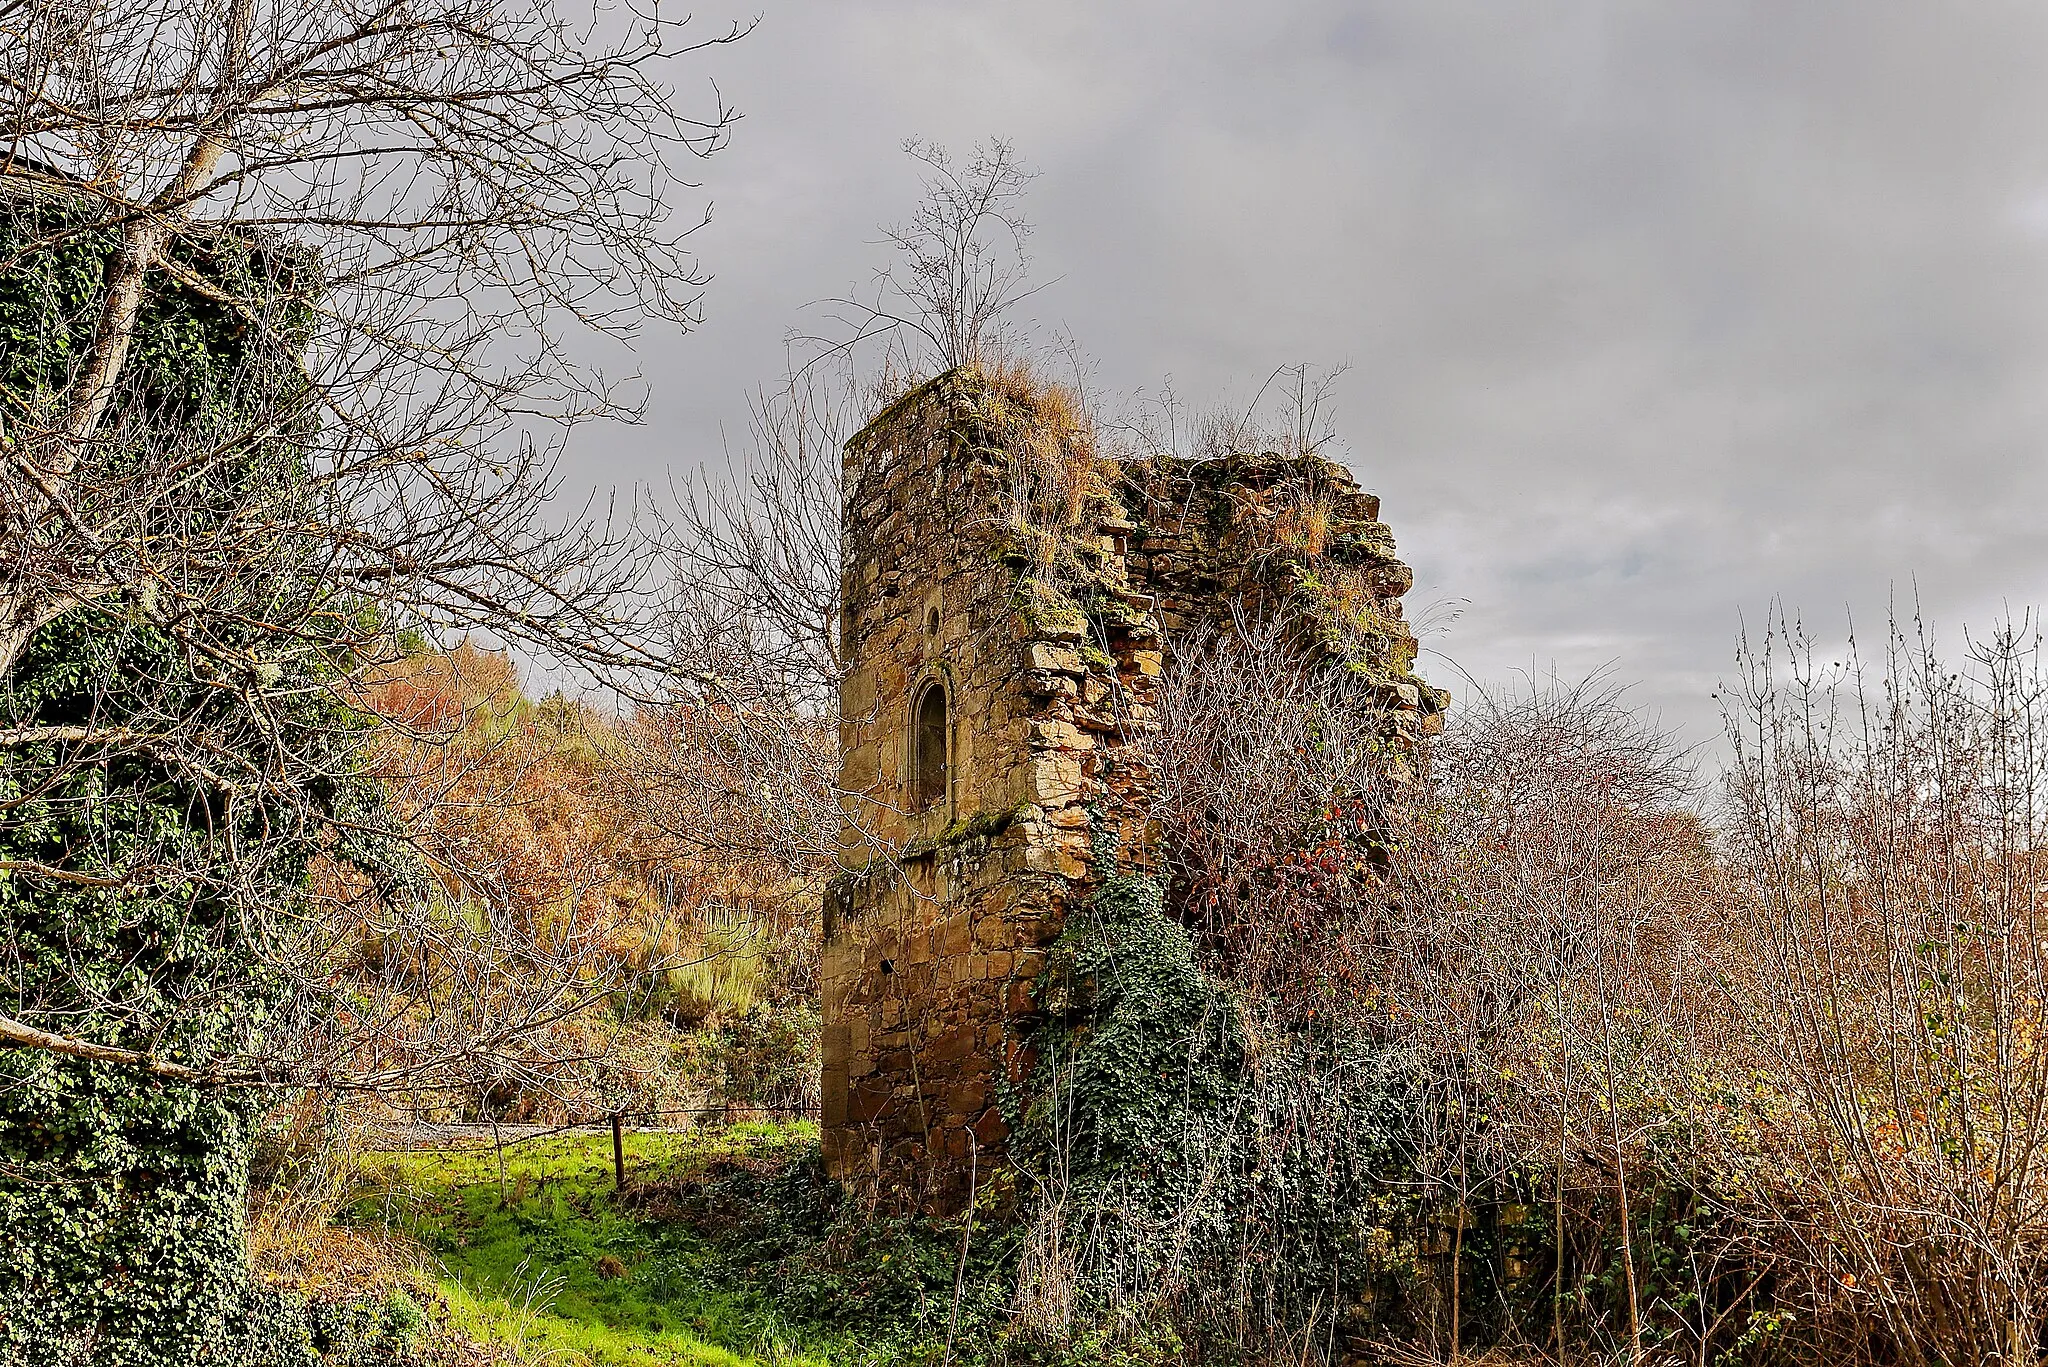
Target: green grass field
(558,1272)
(730,1248)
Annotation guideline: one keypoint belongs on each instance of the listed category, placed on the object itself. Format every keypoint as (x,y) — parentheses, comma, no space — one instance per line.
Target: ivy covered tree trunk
(123,1194)
(148,835)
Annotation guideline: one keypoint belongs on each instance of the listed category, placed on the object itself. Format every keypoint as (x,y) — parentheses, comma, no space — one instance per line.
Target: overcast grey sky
(1654,311)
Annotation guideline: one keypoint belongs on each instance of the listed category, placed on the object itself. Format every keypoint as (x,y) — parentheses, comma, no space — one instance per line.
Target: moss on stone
(979,828)
(1048,611)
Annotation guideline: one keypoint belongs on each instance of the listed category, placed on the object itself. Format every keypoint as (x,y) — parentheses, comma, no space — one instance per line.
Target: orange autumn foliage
(534,808)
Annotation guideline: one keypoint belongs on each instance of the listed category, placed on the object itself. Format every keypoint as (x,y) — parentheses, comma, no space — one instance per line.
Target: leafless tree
(413,218)
(745,750)
(749,766)
(961,265)
(453,191)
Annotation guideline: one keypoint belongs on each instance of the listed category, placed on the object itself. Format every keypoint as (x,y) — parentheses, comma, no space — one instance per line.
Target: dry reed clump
(1059,471)
(345,1265)
(1302,522)
(1049,1276)
(310,1172)
(336,1262)
(1393,1353)
(306,1171)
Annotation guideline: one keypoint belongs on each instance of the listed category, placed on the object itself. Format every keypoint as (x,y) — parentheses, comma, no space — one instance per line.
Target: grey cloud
(1655,312)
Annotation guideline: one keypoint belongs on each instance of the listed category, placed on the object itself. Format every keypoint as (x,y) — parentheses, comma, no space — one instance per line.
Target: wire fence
(427,1135)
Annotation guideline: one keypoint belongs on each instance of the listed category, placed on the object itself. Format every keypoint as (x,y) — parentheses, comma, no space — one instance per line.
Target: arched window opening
(928,748)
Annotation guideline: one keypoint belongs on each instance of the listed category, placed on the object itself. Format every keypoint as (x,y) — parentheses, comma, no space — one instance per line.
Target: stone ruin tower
(1007,597)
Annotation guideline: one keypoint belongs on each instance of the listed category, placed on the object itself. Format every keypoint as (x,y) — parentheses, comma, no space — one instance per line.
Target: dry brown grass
(1053,439)
(1303,522)
(1410,1355)
(335,1262)
(1062,479)
(295,1248)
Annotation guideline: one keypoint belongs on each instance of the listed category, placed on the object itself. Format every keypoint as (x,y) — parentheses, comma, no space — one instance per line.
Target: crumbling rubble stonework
(1040,625)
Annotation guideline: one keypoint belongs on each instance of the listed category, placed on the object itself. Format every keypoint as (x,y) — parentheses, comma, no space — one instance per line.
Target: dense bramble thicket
(123,1194)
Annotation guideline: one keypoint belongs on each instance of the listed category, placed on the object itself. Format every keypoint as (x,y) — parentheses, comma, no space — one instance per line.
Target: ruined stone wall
(1250,537)
(939,925)
(1044,625)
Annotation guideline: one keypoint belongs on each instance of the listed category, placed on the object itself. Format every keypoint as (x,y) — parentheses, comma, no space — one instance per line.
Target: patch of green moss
(1007,551)
(1107,608)
(979,828)
(1373,649)
(1048,610)
(1372,543)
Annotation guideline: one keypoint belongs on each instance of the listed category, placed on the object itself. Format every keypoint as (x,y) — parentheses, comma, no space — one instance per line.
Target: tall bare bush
(1886,827)
(1545,863)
